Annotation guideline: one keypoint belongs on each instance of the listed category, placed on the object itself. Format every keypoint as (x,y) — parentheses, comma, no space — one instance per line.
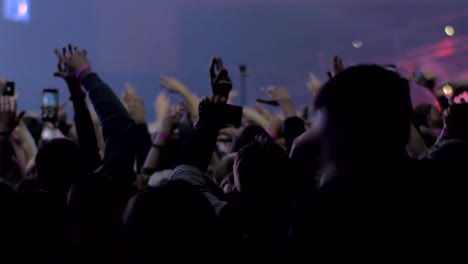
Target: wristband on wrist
(161,136)
(81,70)
(272,135)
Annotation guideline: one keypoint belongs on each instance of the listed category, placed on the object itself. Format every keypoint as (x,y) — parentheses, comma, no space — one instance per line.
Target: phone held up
(9,89)
(50,105)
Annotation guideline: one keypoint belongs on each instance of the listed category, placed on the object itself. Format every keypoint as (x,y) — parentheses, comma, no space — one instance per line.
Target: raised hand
(337,67)
(232,94)
(314,84)
(134,104)
(276,96)
(9,118)
(161,105)
(173,85)
(170,122)
(221,84)
(73,63)
(279,96)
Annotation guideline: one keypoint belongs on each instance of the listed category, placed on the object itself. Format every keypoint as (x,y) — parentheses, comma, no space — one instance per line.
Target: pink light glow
(22,9)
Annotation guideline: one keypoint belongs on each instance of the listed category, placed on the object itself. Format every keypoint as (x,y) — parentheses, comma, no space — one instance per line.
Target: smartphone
(233,114)
(9,89)
(50,105)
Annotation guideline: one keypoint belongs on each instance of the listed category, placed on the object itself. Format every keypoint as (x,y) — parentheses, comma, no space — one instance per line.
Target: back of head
(170,223)
(248,135)
(94,207)
(58,163)
(261,171)
(367,108)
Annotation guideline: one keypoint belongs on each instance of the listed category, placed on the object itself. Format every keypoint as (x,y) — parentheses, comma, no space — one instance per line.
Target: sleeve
(118,129)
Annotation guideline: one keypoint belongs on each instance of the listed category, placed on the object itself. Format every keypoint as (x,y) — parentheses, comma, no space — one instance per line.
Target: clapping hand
(221,84)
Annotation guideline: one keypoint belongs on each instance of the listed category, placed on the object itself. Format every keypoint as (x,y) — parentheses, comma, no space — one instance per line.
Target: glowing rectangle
(17,10)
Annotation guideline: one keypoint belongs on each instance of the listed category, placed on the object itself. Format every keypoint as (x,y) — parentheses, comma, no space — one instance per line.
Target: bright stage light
(449,30)
(447,89)
(16,10)
(357,44)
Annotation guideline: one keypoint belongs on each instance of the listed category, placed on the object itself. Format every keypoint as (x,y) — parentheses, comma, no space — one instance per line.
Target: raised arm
(293,125)
(86,135)
(117,125)
(136,109)
(8,121)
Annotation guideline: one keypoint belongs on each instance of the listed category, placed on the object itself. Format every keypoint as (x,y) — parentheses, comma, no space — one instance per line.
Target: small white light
(447,89)
(449,30)
(357,44)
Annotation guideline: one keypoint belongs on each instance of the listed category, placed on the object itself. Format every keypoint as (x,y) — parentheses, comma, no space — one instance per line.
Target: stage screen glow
(17,10)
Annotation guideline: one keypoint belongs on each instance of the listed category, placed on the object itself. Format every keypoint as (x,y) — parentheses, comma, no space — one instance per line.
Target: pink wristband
(272,135)
(81,70)
(162,136)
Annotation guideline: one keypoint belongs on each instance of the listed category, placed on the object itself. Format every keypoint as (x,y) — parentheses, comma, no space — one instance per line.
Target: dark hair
(366,104)
(58,163)
(248,135)
(172,222)
(262,168)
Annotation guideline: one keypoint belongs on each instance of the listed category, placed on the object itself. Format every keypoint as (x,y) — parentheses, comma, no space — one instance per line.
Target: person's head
(58,163)
(247,135)
(169,223)
(367,113)
(261,180)
(93,206)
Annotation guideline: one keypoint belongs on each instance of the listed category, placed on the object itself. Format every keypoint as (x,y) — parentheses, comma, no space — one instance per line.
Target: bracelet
(272,135)
(81,70)
(162,136)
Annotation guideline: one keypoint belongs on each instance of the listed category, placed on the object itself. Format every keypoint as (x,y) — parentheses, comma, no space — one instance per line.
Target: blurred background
(280,41)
